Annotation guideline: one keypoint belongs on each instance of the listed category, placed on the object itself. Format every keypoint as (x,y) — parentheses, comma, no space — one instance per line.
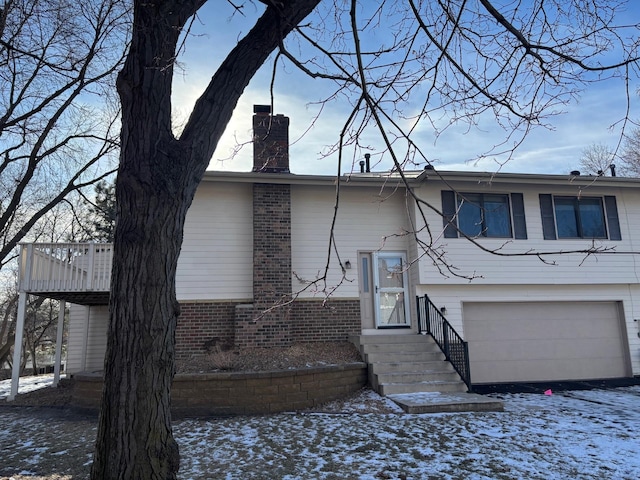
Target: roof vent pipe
(612,167)
(575,173)
(367,157)
(361,166)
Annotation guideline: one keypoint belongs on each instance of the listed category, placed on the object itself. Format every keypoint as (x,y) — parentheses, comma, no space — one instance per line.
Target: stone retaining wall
(232,393)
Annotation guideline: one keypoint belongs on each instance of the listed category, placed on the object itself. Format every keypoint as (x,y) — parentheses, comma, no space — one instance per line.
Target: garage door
(538,341)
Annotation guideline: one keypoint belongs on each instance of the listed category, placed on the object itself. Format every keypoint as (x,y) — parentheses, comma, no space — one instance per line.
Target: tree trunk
(157,180)
(153,193)
(135,438)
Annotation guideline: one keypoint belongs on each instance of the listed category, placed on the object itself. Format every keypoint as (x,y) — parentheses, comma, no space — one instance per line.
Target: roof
(416,177)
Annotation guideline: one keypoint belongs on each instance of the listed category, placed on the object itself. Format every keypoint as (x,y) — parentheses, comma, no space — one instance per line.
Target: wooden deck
(75,272)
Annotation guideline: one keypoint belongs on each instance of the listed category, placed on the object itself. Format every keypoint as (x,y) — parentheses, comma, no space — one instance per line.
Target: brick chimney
(266,322)
(270,141)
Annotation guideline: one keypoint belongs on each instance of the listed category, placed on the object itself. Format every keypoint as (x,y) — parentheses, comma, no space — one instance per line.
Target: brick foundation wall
(311,322)
(257,329)
(202,325)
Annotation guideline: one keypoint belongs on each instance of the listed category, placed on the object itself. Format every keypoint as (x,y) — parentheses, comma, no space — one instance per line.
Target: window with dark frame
(568,217)
(579,217)
(483,215)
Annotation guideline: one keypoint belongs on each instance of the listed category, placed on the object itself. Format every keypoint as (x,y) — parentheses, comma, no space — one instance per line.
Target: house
(539,274)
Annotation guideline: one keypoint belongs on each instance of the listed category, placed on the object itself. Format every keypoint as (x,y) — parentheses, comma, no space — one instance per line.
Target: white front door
(390,289)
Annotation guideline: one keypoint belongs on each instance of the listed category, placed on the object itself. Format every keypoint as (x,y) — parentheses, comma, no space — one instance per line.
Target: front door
(390,290)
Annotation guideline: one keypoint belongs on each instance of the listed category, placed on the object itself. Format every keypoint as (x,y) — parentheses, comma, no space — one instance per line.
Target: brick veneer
(244,393)
(312,322)
(271,244)
(202,325)
(269,327)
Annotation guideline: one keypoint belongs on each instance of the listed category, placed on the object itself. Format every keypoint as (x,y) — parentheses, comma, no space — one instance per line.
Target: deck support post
(17,345)
(58,359)
(85,340)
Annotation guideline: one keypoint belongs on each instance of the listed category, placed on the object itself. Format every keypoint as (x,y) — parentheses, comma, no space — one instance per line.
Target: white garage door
(538,341)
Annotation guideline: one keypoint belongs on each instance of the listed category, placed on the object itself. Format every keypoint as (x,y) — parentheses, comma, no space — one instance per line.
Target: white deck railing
(65,267)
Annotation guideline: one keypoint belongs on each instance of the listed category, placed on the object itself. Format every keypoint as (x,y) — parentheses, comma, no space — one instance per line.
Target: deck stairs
(412,371)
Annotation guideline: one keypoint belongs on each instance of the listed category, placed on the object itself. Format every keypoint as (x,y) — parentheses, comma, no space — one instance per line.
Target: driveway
(569,435)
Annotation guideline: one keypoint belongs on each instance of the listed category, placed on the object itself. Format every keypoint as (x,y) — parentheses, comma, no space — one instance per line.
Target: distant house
(259,239)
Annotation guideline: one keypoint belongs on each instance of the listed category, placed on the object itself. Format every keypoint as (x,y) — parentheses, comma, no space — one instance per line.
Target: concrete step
(437,365)
(402,357)
(407,364)
(385,389)
(399,347)
(380,339)
(416,377)
(436,402)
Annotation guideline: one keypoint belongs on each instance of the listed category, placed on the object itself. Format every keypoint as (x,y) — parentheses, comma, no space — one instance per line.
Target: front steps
(412,371)
(407,364)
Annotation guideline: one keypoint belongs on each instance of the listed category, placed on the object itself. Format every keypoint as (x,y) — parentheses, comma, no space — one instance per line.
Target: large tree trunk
(157,180)
(152,196)
(135,439)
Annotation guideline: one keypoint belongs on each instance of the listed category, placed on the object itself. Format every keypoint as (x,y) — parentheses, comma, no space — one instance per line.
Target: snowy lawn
(569,435)
(27,384)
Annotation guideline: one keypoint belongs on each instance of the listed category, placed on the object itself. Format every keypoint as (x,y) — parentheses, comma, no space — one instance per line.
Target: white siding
(369,219)
(453,296)
(96,338)
(216,261)
(469,260)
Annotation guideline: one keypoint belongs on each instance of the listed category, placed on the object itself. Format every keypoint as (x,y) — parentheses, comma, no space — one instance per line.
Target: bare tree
(8,312)
(630,161)
(597,159)
(58,134)
(516,62)
(58,224)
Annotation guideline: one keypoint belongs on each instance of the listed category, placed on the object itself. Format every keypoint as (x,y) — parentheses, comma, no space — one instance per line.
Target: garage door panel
(529,341)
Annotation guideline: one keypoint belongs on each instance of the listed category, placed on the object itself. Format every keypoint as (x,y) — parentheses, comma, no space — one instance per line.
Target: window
(484,215)
(579,217)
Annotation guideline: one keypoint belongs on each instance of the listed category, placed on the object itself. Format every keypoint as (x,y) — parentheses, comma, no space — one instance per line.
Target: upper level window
(579,217)
(484,215)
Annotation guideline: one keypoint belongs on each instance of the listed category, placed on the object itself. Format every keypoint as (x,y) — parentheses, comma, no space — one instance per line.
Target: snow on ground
(568,435)
(27,384)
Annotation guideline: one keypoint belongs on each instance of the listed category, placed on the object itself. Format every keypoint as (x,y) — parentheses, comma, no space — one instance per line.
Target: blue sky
(586,120)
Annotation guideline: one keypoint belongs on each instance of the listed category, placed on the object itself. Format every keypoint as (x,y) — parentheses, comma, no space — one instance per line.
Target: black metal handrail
(455,349)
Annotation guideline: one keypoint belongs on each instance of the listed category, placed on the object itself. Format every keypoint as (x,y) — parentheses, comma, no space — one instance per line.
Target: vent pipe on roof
(367,157)
(575,173)
(361,166)
(612,167)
